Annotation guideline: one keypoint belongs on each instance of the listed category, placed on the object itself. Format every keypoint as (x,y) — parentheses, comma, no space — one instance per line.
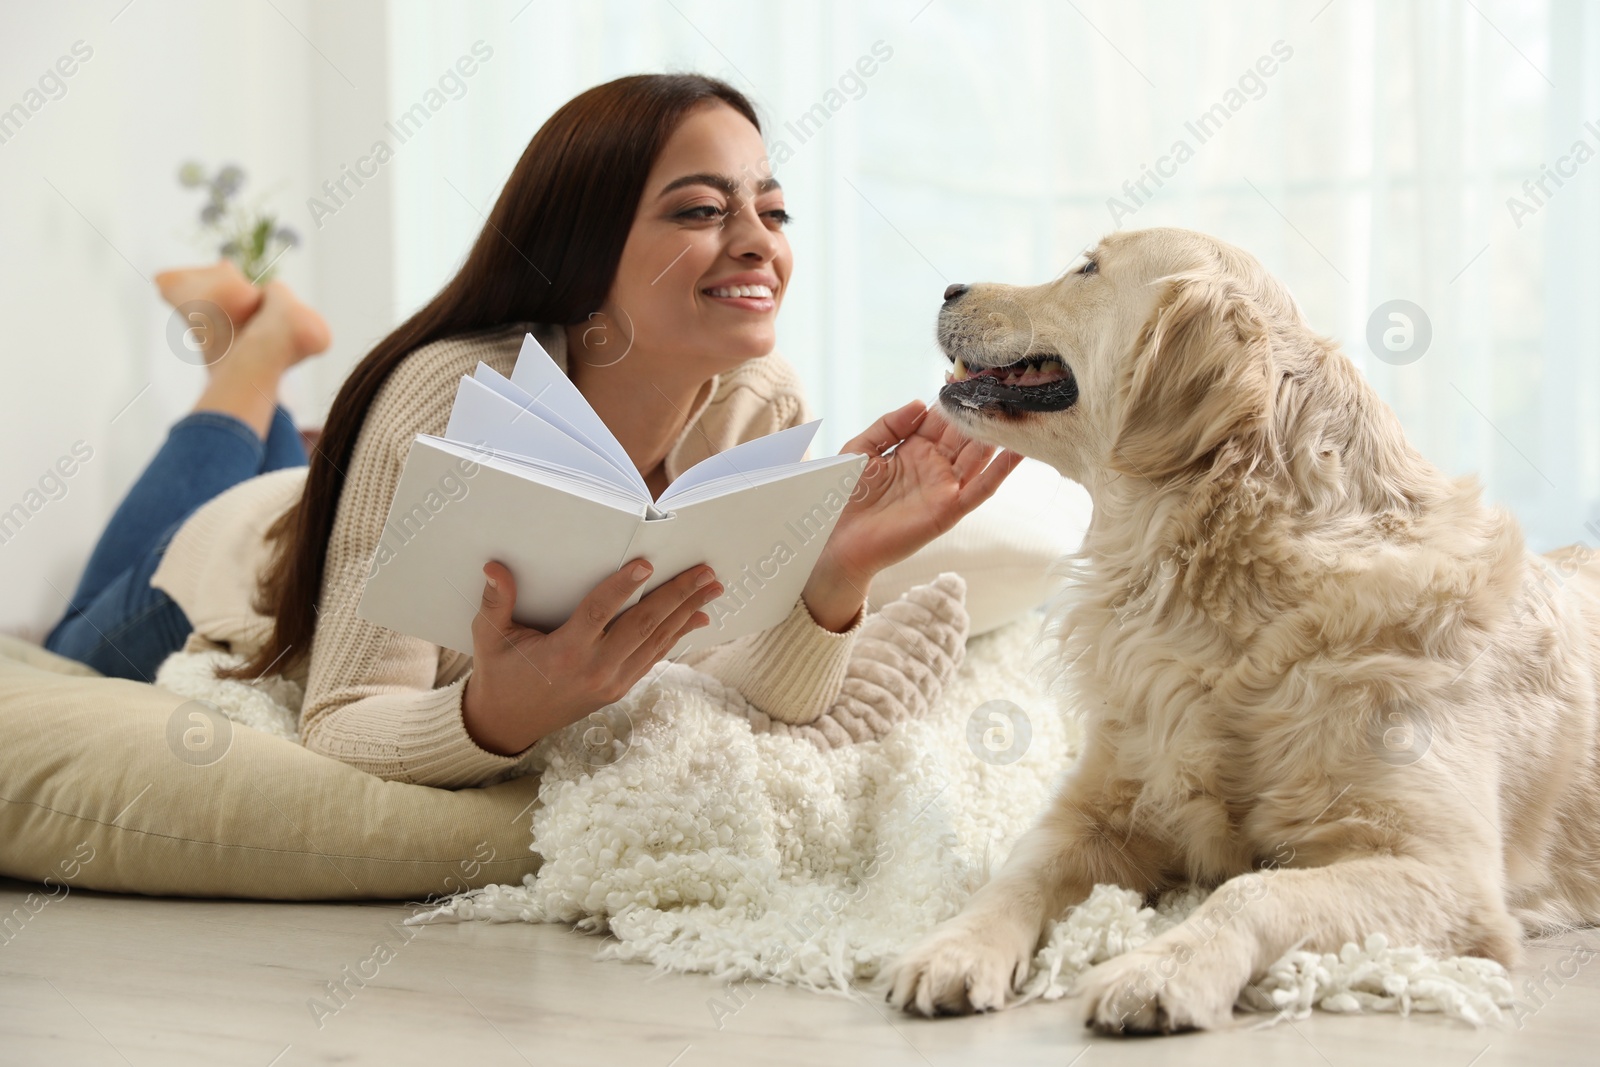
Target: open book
(528,474)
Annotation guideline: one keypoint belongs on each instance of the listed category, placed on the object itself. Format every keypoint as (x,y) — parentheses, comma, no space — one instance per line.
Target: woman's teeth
(742,290)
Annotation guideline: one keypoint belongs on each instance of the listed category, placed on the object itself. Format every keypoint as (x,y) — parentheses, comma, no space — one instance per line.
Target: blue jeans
(115,622)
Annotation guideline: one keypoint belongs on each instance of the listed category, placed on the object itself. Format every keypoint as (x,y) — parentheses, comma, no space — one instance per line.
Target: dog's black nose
(953,290)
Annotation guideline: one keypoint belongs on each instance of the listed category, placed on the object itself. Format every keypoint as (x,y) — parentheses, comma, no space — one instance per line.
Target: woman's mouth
(744,297)
(1040,382)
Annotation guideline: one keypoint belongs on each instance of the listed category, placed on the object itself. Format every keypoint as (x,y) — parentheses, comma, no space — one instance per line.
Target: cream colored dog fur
(1316,673)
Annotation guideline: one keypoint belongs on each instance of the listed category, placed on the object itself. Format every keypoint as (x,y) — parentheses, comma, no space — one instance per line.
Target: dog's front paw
(964,965)
(1151,991)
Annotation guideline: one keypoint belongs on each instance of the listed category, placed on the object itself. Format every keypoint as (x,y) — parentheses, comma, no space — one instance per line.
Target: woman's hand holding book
(526,683)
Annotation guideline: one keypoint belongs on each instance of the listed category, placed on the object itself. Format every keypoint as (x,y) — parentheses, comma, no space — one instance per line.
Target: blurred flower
(249,236)
(227,181)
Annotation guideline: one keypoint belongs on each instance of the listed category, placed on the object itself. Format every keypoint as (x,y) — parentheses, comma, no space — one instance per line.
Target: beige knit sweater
(391,704)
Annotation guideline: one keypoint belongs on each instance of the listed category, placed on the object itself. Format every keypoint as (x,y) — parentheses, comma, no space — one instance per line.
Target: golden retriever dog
(1315,674)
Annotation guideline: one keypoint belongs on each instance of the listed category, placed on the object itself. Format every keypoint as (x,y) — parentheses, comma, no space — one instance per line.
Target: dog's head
(1150,357)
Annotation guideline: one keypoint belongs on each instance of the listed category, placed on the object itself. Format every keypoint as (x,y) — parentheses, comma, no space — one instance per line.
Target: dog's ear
(1200,386)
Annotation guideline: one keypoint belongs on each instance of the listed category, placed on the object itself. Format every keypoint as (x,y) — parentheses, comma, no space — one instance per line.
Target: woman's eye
(714,213)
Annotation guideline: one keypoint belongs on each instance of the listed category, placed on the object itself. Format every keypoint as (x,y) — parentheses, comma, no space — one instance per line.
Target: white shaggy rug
(701,845)
(707,847)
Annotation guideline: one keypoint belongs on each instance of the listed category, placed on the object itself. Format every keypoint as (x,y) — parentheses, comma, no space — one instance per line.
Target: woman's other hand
(934,477)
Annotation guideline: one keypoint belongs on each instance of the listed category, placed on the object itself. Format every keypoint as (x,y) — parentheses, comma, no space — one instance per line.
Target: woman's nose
(953,290)
(750,238)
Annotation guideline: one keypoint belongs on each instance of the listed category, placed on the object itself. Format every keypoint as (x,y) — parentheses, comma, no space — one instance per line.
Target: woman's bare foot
(215,302)
(300,331)
(282,332)
(222,284)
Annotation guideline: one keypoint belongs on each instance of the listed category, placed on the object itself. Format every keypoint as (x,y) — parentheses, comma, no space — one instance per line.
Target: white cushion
(1004,549)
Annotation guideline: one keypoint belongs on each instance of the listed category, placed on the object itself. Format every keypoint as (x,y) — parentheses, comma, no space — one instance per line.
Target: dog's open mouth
(1039,382)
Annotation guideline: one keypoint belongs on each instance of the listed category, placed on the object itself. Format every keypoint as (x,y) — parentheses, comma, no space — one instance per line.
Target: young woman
(641,238)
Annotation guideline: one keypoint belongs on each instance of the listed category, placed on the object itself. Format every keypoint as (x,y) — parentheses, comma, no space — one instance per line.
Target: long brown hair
(548,253)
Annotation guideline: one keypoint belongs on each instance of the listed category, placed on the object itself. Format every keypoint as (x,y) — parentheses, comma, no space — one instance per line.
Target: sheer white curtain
(1365,152)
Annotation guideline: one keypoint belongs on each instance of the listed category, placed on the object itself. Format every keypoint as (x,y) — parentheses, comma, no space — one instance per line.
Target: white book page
(492,378)
(731,483)
(482,417)
(502,386)
(531,468)
(558,402)
(778,449)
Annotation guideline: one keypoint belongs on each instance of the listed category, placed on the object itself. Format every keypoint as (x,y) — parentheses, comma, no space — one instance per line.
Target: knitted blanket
(701,842)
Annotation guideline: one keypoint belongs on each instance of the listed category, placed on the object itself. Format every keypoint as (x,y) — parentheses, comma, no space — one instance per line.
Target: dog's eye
(1089,267)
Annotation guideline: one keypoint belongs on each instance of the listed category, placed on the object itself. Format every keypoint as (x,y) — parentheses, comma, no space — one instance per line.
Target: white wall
(90,209)
(1377,164)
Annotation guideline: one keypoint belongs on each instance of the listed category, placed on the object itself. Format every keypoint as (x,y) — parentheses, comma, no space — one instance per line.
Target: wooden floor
(99,979)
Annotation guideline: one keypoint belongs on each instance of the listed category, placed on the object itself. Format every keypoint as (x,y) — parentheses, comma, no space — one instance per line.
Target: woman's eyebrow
(720,182)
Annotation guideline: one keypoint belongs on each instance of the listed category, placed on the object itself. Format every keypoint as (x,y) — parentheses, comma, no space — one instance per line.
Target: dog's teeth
(959,371)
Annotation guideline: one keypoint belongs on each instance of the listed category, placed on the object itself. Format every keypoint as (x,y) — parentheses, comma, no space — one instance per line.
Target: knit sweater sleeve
(373,698)
(793,672)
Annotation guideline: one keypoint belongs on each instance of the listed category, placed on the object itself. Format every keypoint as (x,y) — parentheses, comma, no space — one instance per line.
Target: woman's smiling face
(706,263)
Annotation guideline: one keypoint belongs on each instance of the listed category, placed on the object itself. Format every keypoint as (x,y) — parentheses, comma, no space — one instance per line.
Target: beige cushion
(111,785)
(1004,549)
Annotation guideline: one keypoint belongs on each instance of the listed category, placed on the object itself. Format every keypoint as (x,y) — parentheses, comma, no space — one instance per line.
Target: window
(1365,152)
